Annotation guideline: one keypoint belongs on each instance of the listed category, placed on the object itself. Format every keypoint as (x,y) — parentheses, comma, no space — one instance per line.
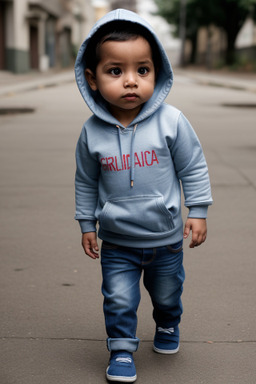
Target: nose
(130,80)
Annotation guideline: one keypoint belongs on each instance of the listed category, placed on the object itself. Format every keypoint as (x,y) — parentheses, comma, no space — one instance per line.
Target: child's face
(125,77)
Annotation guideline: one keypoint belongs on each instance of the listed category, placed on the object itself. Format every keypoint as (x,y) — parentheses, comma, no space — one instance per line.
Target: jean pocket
(175,248)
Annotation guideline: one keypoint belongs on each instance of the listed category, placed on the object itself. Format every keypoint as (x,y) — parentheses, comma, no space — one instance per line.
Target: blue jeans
(163,278)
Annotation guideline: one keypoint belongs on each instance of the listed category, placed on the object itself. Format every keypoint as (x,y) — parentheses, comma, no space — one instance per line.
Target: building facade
(125,4)
(212,44)
(38,35)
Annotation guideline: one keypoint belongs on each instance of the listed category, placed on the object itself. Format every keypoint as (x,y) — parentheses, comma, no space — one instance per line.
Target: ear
(91,79)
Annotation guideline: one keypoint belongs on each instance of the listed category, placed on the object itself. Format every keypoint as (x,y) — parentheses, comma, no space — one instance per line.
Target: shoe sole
(166,351)
(121,379)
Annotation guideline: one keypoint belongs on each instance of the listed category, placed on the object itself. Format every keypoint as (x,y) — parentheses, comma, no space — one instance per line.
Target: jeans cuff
(124,344)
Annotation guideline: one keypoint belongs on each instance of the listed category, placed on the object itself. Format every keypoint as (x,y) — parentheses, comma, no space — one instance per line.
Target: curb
(221,81)
(31,85)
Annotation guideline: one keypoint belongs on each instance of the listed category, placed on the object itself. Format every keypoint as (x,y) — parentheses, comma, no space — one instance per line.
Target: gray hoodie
(157,151)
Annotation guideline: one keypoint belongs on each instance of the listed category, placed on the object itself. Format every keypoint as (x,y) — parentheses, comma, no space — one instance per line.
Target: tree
(229,15)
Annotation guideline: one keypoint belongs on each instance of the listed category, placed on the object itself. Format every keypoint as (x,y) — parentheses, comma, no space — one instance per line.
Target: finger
(202,239)
(92,253)
(94,249)
(90,250)
(94,246)
(197,240)
(186,231)
(192,244)
(194,241)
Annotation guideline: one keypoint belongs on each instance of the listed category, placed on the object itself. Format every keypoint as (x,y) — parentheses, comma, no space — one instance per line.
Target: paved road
(52,328)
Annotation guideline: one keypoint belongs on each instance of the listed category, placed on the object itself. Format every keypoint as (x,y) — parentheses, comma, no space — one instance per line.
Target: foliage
(229,15)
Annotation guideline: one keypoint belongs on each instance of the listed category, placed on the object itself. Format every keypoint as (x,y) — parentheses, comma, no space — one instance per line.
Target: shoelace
(124,359)
(165,330)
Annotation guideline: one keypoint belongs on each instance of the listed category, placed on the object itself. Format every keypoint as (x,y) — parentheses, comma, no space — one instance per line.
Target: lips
(130,96)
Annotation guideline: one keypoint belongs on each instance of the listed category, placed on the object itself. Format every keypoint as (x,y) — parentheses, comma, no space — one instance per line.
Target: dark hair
(118,31)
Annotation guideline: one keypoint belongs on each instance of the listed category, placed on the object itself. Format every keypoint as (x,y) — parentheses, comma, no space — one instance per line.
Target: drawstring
(120,144)
(131,153)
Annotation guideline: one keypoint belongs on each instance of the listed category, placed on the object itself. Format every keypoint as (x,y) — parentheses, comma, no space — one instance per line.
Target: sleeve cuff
(87,226)
(198,211)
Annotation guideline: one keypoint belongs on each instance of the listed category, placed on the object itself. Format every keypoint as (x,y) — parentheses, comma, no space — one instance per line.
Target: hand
(90,245)
(199,231)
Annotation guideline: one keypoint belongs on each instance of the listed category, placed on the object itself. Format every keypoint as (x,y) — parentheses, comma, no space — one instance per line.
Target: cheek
(149,89)
(109,89)
(149,84)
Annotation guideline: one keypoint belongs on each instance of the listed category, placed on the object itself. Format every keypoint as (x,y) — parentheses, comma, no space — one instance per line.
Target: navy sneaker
(166,340)
(121,367)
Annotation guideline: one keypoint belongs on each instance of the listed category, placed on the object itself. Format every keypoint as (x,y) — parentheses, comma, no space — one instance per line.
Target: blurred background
(52,327)
(40,35)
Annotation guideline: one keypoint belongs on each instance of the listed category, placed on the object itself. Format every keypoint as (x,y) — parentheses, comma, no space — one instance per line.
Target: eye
(115,71)
(143,70)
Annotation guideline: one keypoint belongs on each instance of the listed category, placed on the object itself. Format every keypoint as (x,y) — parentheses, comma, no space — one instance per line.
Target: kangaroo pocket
(137,216)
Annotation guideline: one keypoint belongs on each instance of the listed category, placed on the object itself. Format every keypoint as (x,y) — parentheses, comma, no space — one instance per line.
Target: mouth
(130,96)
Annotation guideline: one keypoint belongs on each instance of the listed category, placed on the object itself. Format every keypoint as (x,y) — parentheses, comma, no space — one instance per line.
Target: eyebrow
(113,64)
(118,63)
(146,62)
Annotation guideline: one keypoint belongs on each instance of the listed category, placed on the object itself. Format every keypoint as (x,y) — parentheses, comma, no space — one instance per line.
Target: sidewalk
(225,79)
(11,84)
(52,327)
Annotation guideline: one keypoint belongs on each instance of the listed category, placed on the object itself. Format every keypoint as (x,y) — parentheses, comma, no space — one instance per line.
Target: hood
(163,82)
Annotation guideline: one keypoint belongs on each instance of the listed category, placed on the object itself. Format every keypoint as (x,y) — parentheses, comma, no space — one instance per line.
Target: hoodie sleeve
(86,185)
(192,170)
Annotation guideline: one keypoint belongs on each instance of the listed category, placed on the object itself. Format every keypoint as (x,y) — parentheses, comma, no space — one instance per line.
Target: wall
(39,34)
(17,37)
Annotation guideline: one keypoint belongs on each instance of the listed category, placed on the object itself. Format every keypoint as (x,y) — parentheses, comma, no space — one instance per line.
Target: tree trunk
(230,52)
(193,57)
